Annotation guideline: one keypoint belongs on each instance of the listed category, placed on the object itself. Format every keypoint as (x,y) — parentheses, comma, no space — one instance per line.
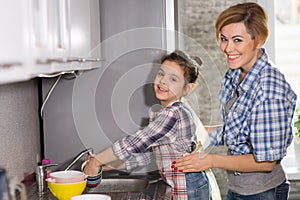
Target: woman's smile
(233,57)
(238,46)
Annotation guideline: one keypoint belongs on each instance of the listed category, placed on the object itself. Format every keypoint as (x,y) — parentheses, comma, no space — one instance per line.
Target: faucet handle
(40,169)
(49,165)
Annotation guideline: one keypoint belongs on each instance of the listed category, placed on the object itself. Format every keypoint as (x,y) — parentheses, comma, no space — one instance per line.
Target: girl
(169,135)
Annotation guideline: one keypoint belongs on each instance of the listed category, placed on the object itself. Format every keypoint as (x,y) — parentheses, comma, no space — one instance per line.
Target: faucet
(41,175)
(84,152)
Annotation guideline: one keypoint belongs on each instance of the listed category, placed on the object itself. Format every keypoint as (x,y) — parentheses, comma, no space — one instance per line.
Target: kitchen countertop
(156,190)
(290,166)
(293,175)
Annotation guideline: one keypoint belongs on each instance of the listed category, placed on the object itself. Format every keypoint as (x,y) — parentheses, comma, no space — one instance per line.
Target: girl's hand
(92,166)
(194,162)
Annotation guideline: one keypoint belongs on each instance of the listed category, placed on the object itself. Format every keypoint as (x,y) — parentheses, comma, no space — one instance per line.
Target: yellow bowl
(64,191)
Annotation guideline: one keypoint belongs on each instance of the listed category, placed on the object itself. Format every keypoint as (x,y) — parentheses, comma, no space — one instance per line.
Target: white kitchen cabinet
(41,37)
(13,40)
(71,33)
(85,32)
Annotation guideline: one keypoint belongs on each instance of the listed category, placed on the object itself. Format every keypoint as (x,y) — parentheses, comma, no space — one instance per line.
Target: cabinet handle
(40,23)
(91,59)
(67,60)
(56,60)
(7,65)
(62,22)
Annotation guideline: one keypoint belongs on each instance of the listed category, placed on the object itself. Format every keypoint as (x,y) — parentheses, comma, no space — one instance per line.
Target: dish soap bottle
(47,169)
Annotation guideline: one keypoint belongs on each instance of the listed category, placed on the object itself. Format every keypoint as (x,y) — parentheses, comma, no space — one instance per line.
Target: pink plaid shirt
(169,135)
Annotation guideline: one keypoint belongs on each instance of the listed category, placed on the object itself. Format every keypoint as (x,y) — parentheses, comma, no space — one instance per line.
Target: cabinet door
(51,30)
(80,28)
(85,32)
(44,43)
(44,37)
(74,28)
(13,40)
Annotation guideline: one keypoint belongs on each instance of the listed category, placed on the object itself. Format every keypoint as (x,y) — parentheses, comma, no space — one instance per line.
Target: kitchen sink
(110,185)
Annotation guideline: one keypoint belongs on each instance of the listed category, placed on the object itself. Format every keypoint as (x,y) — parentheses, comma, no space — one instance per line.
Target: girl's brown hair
(251,14)
(190,64)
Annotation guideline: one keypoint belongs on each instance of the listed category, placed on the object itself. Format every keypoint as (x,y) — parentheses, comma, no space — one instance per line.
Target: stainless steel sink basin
(110,185)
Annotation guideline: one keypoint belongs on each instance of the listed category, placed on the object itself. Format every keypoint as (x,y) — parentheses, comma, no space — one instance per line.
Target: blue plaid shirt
(260,120)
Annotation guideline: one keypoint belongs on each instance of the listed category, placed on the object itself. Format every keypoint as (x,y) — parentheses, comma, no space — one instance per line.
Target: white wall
(269,6)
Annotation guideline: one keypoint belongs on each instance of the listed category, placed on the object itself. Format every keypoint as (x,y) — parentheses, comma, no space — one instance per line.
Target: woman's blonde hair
(251,14)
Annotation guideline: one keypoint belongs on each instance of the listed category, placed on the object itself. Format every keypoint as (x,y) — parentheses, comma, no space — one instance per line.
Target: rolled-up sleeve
(130,146)
(139,160)
(216,137)
(270,130)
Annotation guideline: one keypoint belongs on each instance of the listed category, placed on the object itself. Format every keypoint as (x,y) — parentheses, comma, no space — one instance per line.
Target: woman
(257,108)
(169,135)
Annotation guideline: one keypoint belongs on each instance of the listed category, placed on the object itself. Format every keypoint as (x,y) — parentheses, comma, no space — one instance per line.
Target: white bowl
(70,176)
(91,197)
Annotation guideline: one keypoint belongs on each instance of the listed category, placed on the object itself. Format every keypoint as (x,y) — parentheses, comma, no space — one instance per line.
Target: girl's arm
(105,157)
(140,142)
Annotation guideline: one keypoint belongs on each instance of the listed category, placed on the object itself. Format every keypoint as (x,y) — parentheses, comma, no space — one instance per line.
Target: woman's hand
(194,162)
(242,163)
(92,166)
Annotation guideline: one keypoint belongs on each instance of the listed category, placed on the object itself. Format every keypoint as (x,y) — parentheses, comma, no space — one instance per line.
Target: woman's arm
(212,128)
(241,163)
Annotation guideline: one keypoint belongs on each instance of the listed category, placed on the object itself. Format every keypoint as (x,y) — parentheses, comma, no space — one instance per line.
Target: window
(287,51)
(287,40)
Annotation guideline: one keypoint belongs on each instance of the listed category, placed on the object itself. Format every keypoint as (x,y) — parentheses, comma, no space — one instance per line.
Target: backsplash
(19,128)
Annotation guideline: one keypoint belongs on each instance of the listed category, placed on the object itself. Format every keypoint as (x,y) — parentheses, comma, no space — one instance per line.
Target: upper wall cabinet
(13,40)
(42,37)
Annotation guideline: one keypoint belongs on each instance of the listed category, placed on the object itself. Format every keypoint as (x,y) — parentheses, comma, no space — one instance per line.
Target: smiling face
(170,84)
(238,46)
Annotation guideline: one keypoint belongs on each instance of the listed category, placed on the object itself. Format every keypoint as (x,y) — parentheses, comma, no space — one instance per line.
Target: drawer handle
(7,65)
(66,60)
